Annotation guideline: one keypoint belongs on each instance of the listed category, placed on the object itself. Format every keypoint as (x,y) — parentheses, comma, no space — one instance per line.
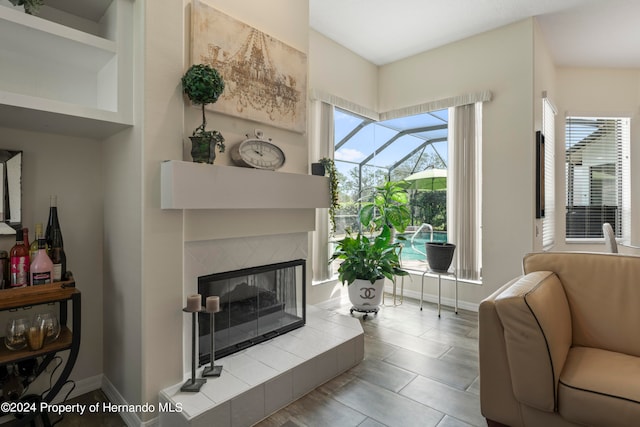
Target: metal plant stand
(440,274)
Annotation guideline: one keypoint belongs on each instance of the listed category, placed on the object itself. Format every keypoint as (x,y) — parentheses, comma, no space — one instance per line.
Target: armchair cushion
(600,388)
(537,331)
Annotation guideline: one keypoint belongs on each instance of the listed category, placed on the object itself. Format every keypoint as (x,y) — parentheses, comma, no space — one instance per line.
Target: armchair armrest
(535,315)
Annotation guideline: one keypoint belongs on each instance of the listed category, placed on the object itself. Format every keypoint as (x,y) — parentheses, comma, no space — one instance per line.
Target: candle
(213,304)
(194,303)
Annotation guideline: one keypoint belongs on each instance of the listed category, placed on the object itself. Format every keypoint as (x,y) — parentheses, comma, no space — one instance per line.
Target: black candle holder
(194,384)
(212,370)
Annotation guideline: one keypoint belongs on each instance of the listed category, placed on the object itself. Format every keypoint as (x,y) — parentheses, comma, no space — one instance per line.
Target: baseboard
(82,387)
(131,419)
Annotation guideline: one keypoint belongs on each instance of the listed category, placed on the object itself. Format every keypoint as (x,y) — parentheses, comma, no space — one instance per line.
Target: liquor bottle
(58,257)
(33,249)
(25,237)
(19,260)
(41,270)
(5,270)
(53,222)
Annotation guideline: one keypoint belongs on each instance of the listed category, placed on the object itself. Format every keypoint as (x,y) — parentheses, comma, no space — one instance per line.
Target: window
(438,137)
(368,153)
(597,176)
(549,131)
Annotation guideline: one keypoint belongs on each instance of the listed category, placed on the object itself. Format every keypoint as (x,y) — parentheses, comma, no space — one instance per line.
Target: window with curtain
(415,148)
(370,148)
(549,131)
(597,176)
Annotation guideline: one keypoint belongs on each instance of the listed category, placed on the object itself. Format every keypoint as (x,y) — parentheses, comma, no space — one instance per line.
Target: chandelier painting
(265,79)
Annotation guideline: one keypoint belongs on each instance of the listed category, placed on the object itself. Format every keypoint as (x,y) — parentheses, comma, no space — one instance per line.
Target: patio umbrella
(430,179)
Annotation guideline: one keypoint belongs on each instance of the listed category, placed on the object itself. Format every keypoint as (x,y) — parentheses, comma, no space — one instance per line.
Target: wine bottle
(5,270)
(19,260)
(58,257)
(33,249)
(53,222)
(41,270)
(25,237)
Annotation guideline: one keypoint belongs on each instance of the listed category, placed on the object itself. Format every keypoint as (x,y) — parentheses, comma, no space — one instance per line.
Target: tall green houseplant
(203,85)
(368,259)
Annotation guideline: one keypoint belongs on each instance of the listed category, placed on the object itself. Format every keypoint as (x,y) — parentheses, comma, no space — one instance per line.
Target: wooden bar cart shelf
(69,339)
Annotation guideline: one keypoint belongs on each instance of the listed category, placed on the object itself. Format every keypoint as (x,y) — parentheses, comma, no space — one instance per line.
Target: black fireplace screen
(256,304)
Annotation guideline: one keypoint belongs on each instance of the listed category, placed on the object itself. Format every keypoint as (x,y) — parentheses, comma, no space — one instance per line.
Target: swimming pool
(410,253)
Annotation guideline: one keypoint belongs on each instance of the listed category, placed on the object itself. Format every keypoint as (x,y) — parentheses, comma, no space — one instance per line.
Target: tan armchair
(560,346)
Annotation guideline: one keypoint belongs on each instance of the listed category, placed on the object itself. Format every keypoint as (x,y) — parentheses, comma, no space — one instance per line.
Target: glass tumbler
(16,333)
(50,325)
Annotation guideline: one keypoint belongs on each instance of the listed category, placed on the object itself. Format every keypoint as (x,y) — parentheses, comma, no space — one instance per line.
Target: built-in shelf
(188,185)
(66,72)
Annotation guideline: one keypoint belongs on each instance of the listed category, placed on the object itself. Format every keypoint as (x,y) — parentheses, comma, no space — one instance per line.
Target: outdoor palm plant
(390,207)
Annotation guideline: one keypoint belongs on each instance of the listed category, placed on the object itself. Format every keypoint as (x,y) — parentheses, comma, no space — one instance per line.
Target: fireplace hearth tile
(278,392)
(275,357)
(288,366)
(247,369)
(248,408)
(224,387)
(193,404)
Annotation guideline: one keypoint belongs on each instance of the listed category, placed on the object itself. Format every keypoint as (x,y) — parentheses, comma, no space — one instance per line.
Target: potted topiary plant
(203,85)
(366,262)
(30,6)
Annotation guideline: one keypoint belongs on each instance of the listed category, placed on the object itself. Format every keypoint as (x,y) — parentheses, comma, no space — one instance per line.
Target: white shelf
(39,36)
(63,77)
(188,185)
(46,115)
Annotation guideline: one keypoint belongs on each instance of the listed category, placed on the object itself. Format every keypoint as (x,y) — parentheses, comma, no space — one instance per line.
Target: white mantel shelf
(188,185)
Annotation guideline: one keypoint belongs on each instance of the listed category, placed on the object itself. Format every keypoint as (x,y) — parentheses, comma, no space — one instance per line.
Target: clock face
(260,154)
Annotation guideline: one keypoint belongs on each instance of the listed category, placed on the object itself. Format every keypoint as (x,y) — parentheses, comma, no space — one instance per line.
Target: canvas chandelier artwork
(265,78)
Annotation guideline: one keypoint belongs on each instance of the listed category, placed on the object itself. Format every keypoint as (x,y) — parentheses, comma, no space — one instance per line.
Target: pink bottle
(41,271)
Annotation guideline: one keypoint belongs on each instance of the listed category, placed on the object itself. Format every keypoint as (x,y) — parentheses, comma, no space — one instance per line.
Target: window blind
(597,175)
(549,131)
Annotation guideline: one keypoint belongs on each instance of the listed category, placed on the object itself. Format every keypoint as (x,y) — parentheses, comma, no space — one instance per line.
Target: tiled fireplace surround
(261,379)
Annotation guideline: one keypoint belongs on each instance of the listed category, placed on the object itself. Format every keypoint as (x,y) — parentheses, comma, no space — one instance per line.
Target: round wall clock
(257,153)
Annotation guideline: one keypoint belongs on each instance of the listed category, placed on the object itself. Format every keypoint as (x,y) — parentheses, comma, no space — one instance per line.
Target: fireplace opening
(256,304)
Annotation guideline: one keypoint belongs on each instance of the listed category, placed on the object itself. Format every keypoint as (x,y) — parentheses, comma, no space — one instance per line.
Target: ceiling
(580,33)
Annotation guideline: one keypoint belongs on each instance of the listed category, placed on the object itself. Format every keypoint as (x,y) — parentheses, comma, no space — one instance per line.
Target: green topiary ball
(202,84)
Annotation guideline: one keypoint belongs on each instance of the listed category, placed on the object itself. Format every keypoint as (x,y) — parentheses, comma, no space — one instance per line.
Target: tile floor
(418,370)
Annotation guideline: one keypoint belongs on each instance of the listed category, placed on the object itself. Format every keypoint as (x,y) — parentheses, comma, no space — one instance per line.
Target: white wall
(544,81)
(338,71)
(71,168)
(122,159)
(500,61)
(144,246)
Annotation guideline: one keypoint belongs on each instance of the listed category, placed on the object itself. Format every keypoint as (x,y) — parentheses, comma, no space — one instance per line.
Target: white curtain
(464,189)
(321,145)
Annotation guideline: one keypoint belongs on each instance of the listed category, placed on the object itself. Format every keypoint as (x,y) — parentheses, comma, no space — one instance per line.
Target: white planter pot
(365,296)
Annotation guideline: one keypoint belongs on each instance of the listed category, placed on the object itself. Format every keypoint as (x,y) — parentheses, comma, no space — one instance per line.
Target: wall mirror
(10,191)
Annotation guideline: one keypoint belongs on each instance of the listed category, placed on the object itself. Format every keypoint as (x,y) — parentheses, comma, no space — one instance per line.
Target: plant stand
(365,311)
(440,274)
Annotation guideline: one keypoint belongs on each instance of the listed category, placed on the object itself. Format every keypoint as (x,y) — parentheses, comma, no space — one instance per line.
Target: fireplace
(256,304)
